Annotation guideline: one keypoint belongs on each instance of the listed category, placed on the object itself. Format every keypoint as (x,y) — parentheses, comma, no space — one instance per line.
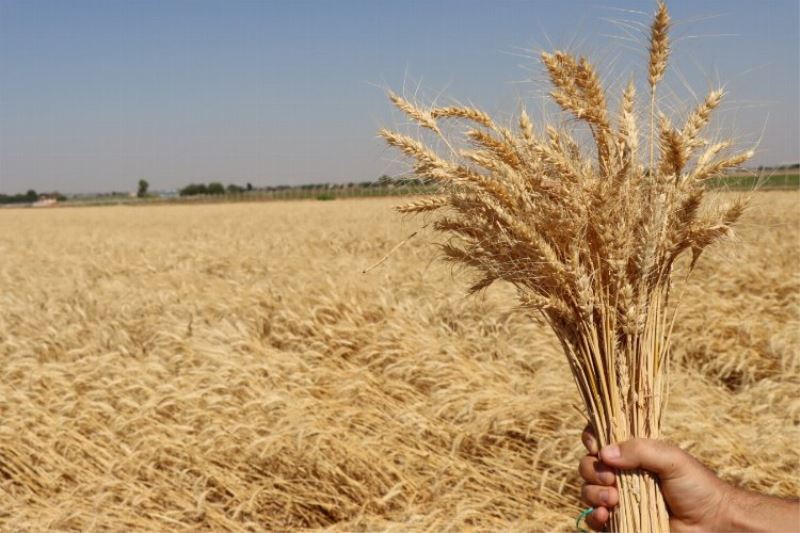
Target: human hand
(696,498)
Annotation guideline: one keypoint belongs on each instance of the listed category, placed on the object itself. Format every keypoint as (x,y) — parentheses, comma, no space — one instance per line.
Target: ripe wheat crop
(229,367)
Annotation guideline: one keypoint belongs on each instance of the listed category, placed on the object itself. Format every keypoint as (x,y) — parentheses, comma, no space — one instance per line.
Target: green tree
(143,186)
(216,187)
(193,189)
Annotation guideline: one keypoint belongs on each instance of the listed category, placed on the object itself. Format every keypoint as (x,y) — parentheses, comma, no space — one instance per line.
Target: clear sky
(95,95)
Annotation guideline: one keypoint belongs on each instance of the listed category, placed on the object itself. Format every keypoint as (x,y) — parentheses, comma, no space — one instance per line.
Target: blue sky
(95,95)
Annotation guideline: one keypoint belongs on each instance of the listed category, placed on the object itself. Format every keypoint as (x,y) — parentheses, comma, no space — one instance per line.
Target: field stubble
(230,367)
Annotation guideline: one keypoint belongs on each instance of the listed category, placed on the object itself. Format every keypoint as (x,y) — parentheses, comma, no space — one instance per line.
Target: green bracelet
(586,512)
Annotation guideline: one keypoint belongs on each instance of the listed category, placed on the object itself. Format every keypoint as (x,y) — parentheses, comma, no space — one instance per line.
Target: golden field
(230,367)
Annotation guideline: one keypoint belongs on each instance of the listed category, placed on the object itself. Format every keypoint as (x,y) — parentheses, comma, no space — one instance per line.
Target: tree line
(28,197)
(213,188)
(217,188)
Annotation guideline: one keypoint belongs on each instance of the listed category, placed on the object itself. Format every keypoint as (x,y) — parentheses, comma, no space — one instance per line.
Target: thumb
(656,456)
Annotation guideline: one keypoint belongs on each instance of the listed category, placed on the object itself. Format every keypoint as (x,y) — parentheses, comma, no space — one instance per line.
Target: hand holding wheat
(587,235)
(698,500)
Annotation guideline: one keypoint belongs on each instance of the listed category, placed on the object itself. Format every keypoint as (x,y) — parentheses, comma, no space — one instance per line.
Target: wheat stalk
(588,242)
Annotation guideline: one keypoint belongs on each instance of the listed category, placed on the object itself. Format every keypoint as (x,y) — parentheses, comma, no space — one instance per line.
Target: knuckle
(591,495)
(585,493)
(589,441)
(584,467)
(637,447)
(604,475)
(637,444)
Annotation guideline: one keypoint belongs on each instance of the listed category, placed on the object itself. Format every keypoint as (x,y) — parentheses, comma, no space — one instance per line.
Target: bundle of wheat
(588,235)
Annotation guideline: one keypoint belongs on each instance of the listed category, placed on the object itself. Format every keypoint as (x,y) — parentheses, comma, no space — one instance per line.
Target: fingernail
(604,496)
(611,451)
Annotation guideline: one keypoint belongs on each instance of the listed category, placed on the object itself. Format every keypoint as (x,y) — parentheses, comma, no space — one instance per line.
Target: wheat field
(231,367)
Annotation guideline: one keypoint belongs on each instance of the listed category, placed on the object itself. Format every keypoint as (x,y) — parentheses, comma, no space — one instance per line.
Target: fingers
(589,439)
(664,459)
(600,496)
(598,518)
(594,472)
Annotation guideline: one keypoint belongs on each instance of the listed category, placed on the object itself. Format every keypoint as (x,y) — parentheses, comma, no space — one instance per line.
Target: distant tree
(249,186)
(141,192)
(57,195)
(26,198)
(194,189)
(216,187)
(235,189)
(385,180)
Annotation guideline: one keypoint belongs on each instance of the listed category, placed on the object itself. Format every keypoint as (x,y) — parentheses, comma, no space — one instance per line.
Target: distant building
(45,201)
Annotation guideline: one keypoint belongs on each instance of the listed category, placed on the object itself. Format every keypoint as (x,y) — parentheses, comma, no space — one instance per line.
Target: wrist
(753,512)
(733,512)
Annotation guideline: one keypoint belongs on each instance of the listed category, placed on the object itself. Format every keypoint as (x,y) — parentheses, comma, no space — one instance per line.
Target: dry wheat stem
(588,241)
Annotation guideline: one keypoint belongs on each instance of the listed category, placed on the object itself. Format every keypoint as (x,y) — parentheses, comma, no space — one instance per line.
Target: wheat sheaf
(587,233)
